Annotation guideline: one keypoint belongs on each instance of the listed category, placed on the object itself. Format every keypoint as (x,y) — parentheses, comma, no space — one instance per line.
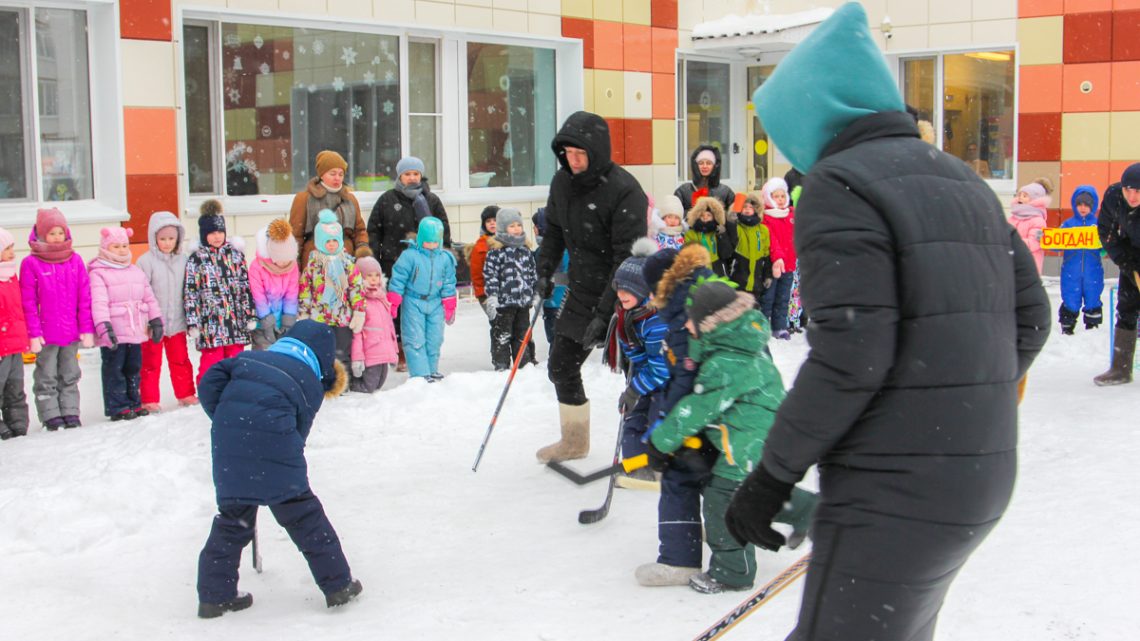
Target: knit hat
(706,154)
(505,217)
(1083,198)
(211,219)
(1131,176)
(1035,190)
(48,219)
(832,78)
(430,231)
(115,235)
(6,239)
(409,163)
(715,301)
(368,265)
(488,213)
(276,242)
(773,185)
(8,268)
(629,275)
(328,228)
(655,266)
(671,206)
(329,159)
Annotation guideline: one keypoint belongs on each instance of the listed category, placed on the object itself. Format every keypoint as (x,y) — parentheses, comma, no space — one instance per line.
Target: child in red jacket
(13,343)
(780,219)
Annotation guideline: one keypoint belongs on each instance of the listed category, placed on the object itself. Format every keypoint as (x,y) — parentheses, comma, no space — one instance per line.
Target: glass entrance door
(759,167)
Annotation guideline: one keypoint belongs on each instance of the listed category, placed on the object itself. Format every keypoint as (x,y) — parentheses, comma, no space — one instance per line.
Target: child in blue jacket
(424,276)
(640,333)
(262,405)
(1082,274)
(551,307)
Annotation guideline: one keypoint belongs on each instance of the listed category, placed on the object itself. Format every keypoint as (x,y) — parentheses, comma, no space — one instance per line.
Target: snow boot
(660,574)
(1123,349)
(343,595)
(214,610)
(1093,318)
(71,422)
(705,584)
(575,441)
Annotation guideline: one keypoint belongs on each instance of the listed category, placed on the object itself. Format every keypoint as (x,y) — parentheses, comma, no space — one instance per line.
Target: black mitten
(658,460)
(595,333)
(758,500)
(628,400)
(109,332)
(156,332)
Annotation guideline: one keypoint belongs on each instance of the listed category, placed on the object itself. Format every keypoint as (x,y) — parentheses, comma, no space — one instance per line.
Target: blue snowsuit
(262,405)
(424,277)
(1082,273)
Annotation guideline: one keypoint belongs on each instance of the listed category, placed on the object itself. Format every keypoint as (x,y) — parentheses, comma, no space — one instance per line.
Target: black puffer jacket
(596,215)
(1119,227)
(723,193)
(393,220)
(926,310)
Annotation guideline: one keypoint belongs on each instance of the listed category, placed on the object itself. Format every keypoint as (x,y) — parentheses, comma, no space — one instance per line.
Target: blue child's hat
(430,231)
(319,338)
(834,77)
(328,228)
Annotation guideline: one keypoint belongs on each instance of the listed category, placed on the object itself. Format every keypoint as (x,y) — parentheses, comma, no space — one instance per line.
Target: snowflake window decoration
(338,83)
(318,47)
(348,55)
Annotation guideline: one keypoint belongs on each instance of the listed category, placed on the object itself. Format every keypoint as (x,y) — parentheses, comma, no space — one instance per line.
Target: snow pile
(753,24)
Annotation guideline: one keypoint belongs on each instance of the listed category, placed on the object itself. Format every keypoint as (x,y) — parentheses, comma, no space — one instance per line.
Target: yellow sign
(1070,238)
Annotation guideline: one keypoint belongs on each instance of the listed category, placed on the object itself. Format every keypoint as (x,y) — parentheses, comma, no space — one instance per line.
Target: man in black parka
(926,310)
(595,210)
(1119,228)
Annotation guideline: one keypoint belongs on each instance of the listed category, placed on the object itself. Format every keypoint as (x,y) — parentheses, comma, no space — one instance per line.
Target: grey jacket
(166,272)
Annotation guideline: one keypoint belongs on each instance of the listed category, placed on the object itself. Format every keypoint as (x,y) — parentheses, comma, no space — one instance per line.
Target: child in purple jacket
(57,307)
(126,314)
(274,281)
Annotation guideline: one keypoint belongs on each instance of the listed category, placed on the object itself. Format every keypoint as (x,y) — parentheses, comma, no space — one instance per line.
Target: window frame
(1002,186)
(108,160)
(451,78)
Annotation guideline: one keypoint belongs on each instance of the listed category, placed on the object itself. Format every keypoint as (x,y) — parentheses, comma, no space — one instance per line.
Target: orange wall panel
(144,19)
(150,141)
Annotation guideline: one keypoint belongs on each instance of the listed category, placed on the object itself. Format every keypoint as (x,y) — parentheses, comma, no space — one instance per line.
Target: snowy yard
(102,525)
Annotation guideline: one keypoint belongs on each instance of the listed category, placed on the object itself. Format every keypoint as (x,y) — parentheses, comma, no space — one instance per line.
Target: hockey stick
(758,598)
(625,465)
(507,387)
(586,517)
(256,552)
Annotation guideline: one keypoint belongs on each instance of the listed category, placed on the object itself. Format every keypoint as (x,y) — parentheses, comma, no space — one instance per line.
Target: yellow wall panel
(1124,143)
(1041,40)
(664,143)
(1084,136)
(609,93)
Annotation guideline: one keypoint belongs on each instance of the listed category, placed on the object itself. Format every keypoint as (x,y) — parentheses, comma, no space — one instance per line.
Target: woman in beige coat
(327,191)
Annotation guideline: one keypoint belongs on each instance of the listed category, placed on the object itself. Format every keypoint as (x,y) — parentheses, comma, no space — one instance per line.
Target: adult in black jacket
(596,210)
(1119,228)
(926,311)
(396,216)
(707,183)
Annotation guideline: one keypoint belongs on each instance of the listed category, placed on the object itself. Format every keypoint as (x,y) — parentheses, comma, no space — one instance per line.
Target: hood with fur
(689,259)
(707,204)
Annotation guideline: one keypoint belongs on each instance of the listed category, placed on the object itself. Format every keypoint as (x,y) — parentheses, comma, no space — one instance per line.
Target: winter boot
(1093,318)
(705,584)
(401,362)
(660,574)
(575,441)
(1123,349)
(214,610)
(343,595)
(1068,320)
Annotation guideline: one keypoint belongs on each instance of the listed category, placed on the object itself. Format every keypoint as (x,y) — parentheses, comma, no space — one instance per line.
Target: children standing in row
(509,277)
(274,282)
(56,294)
(1082,273)
(126,314)
(780,218)
(13,343)
(219,307)
(375,346)
(164,265)
(424,276)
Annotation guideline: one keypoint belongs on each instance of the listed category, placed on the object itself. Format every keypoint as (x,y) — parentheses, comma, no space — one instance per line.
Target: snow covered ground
(100,527)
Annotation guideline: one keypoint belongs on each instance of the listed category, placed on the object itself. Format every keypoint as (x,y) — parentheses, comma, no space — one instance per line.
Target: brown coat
(303,217)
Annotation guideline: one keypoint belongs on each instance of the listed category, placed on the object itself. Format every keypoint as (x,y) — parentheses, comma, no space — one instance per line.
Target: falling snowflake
(234,95)
(264,68)
(335,111)
(338,83)
(376,60)
(348,55)
(312,88)
(369,77)
(237,63)
(281,119)
(522,111)
(389,107)
(357,112)
(491,109)
(318,47)
(389,76)
(258,41)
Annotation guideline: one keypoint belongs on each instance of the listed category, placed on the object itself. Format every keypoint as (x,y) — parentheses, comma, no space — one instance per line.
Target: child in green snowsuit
(734,401)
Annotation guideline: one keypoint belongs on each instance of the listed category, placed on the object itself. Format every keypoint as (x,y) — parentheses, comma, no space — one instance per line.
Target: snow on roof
(753,24)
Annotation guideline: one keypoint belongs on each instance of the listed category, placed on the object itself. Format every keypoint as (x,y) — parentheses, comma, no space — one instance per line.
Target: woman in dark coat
(397,213)
(926,311)
(262,405)
(705,166)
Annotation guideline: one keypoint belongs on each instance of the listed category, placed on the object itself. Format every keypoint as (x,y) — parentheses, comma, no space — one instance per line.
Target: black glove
(628,399)
(155,330)
(543,288)
(758,500)
(595,334)
(109,332)
(287,322)
(658,460)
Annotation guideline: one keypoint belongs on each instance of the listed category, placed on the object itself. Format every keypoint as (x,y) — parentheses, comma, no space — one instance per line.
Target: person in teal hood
(1082,273)
(424,276)
(926,311)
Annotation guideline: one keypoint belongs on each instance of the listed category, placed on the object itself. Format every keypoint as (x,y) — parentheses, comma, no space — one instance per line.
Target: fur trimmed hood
(317,188)
(495,243)
(756,199)
(340,383)
(689,259)
(707,204)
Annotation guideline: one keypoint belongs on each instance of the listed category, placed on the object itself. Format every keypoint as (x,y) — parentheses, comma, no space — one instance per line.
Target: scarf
(8,269)
(748,221)
(412,191)
(510,240)
(50,252)
(672,230)
(296,349)
(703,192)
(273,267)
(335,270)
(119,260)
(1026,211)
(776,213)
(705,227)
(330,189)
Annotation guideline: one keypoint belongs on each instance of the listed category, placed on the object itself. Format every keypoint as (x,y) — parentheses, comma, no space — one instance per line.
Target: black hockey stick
(586,517)
(256,552)
(625,465)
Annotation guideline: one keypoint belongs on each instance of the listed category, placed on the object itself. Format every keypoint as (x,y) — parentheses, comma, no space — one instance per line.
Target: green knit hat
(834,77)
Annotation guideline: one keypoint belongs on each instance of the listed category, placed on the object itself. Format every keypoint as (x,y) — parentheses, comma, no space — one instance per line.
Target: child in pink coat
(13,343)
(56,294)
(274,282)
(374,347)
(1027,215)
(126,314)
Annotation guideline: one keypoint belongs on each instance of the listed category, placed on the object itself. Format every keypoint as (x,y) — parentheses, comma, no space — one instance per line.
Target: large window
(45,105)
(705,95)
(510,123)
(969,97)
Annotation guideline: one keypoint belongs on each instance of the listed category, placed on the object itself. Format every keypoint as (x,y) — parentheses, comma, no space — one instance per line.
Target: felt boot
(575,441)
